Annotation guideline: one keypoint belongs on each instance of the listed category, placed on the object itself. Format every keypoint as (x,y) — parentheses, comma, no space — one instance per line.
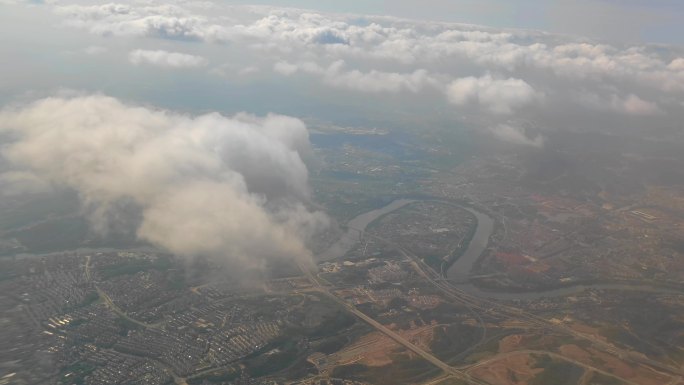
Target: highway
(489,306)
(456,373)
(550,354)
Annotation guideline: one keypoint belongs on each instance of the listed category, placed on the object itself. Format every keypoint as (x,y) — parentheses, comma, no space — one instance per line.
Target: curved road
(550,354)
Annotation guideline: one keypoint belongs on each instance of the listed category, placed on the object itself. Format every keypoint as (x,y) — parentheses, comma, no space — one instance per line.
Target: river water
(356,227)
(460,270)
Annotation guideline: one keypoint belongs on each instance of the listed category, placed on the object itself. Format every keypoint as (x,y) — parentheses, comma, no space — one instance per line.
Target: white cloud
(375,54)
(628,105)
(249,70)
(516,135)
(634,105)
(162,21)
(676,65)
(376,81)
(231,188)
(337,75)
(165,59)
(95,50)
(285,68)
(500,96)
(339,37)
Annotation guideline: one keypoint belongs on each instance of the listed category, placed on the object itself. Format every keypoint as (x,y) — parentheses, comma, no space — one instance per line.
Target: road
(459,374)
(110,304)
(493,307)
(87,268)
(550,354)
(178,380)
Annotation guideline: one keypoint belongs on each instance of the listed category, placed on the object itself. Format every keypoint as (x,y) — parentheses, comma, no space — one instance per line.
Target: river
(356,227)
(460,270)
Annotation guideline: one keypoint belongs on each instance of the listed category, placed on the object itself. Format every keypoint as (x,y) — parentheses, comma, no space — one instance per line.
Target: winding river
(460,270)
(356,227)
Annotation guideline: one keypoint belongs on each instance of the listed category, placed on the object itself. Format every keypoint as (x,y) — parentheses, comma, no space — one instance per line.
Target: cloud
(160,21)
(377,81)
(496,73)
(627,105)
(634,105)
(516,135)
(249,70)
(499,96)
(341,37)
(95,50)
(285,68)
(676,65)
(165,59)
(18,183)
(373,81)
(235,189)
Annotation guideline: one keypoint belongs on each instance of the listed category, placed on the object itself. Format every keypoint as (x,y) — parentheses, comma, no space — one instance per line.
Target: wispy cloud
(165,59)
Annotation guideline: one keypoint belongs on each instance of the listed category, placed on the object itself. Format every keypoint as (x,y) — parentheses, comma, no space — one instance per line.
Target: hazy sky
(655,21)
(327,61)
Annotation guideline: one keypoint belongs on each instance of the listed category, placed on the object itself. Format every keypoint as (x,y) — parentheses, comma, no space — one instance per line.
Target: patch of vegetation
(602,379)
(331,345)
(176,280)
(451,340)
(556,372)
(89,299)
(75,374)
(332,323)
(126,325)
(76,323)
(59,234)
(676,244)
(301,369)
(623,337)
(397,303)
(434,261)
(444,313)
(369,309)
(452,381)
(403,370)
(275,360)
(349,371)
(216,377)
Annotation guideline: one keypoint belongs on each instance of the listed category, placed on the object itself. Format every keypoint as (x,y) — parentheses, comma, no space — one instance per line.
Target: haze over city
(361,192)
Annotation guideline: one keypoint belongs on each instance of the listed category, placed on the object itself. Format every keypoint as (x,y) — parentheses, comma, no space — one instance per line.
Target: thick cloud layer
(516,135)
(424,44)
(373,81)
(500,96)
(232,188)
(163,20)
